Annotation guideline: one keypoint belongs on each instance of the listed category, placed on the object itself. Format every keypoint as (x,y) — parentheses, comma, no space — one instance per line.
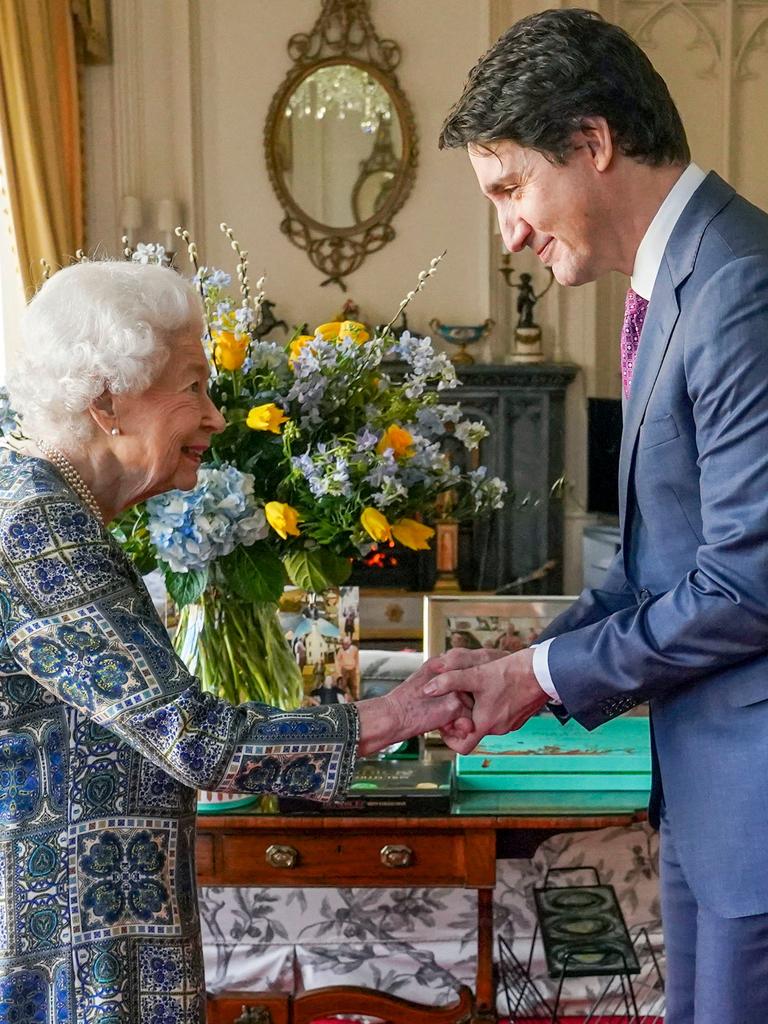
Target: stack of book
(382,787)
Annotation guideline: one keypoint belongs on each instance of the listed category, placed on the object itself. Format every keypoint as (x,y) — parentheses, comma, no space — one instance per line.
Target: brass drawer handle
(393,856)
(282,856)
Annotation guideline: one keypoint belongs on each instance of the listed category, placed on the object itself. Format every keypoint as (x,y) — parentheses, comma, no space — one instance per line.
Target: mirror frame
(343,34)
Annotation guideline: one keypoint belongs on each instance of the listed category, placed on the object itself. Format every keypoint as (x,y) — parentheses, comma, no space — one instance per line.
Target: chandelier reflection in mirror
(338,91)
(340,140)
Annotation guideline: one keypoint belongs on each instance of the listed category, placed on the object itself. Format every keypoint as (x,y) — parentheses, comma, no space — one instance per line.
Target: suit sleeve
(594,605)
(716,617)
(78,620)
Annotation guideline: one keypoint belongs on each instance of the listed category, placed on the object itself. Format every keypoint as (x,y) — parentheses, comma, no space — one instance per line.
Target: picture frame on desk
(501,622)
(391,615)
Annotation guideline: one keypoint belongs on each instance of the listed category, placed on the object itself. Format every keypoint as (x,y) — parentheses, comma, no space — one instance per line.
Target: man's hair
(548,72)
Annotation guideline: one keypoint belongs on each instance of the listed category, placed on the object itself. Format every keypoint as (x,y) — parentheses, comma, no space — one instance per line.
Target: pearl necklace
(72,477)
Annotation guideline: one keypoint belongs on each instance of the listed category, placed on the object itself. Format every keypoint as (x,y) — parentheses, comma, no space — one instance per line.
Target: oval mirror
(340,141)
(341,145)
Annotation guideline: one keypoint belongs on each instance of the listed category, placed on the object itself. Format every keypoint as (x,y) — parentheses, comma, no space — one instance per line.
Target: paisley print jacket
(104,737)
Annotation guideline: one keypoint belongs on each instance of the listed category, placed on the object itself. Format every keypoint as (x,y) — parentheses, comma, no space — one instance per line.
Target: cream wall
(187,98)
(180,114)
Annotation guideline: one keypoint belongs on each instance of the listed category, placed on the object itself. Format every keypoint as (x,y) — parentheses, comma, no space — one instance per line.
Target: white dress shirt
(648,259)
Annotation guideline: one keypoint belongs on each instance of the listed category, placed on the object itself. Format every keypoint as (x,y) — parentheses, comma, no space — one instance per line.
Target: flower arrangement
(325,454)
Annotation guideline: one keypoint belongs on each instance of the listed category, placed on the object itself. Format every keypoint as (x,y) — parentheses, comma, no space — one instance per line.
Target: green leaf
(185,587)
(145,562)
(318,569)
(255,573)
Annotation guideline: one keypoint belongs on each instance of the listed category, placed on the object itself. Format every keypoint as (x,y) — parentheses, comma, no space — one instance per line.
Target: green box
(545,755)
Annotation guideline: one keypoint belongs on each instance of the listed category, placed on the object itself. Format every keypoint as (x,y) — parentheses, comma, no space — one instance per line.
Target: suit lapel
(663,313)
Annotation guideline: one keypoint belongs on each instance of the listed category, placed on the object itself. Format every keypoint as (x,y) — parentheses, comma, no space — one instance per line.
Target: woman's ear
(104,413)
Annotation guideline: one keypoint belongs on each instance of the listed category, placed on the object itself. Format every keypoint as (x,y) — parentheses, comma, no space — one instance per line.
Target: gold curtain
(40,120)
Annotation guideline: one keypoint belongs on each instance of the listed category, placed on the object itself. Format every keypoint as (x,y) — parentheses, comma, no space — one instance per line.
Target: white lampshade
(168,215)
(131,216)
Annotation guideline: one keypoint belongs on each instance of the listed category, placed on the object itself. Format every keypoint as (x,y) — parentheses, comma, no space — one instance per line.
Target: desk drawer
(344,857)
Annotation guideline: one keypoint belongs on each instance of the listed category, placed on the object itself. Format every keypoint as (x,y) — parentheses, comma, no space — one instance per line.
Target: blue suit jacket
(683,617)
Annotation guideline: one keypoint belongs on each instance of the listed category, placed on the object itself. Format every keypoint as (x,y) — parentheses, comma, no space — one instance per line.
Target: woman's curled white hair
(95,326)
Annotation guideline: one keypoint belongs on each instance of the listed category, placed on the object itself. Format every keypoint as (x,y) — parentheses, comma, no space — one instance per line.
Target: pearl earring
(115,431)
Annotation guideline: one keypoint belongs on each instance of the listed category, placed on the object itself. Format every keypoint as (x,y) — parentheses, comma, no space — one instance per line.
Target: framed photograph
(389,614)
(324,633)
(487,620)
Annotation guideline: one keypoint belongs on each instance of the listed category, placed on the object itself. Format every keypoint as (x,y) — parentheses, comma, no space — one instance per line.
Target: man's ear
(595,136)
(104,413)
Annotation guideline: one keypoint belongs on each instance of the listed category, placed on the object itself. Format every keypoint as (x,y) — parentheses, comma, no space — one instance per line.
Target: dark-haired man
(575,140)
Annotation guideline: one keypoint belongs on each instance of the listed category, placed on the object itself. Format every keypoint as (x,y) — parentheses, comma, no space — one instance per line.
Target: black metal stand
(584,934)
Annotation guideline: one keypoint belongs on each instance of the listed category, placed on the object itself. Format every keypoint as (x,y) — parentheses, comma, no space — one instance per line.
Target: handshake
(465,694)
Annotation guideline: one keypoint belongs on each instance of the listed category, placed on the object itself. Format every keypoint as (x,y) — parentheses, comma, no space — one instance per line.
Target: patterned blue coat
(104,736)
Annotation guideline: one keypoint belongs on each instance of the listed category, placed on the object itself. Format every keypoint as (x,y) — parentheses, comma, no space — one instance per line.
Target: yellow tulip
(329,331)
(412,534)
(229,351)
(398,439)
(266,417)
(297,345)
(375,524)
(283,519)
(354,330)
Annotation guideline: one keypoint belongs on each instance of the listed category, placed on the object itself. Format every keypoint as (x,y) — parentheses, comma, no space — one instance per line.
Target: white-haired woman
(104,735)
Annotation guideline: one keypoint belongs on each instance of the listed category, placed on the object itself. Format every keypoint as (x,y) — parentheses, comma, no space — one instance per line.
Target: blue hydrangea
(192,528)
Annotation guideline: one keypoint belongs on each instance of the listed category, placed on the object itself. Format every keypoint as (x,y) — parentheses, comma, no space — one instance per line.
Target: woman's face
(167,428)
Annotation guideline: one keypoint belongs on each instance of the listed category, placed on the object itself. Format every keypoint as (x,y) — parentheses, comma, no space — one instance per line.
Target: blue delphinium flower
(191,528)
(210,277)
(471,433)
(486,493)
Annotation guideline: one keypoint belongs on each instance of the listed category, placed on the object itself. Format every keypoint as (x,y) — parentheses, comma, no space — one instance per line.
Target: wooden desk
(456,850)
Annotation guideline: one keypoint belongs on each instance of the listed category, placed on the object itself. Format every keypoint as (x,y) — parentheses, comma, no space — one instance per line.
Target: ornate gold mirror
(340,140)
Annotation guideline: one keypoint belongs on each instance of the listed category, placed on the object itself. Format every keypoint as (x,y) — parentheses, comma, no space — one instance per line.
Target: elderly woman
(105,735)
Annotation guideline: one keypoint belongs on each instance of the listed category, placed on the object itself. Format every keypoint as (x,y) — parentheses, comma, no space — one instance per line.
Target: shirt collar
(650,252)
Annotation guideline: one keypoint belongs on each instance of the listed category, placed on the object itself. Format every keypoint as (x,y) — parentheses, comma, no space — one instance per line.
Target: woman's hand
(409,711)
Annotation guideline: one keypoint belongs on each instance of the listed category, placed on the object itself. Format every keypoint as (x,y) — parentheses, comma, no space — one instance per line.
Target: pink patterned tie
(634,313)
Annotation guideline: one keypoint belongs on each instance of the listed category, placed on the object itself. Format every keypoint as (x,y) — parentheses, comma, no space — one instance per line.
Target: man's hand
(505,693)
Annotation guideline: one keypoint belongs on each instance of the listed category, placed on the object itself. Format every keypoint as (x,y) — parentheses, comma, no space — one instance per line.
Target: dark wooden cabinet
(523,407)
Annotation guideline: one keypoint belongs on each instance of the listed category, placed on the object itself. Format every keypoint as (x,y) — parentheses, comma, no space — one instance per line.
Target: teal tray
(550,804)
(545,755)
(225,807)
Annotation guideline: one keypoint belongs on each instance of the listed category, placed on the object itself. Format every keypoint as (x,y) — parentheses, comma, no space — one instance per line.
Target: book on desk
(387,787)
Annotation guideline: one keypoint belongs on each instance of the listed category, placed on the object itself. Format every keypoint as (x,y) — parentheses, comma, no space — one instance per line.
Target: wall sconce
(168,217)
(131,217)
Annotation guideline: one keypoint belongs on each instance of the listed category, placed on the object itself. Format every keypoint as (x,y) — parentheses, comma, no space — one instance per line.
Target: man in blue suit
(574,138)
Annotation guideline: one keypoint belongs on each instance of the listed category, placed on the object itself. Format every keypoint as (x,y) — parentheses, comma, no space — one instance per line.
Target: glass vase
(238,651)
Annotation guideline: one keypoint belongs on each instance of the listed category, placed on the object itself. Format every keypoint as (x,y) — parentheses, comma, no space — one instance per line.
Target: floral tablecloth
(417,943)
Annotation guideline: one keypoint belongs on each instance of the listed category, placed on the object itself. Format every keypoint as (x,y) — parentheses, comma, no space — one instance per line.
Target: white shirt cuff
(541,669)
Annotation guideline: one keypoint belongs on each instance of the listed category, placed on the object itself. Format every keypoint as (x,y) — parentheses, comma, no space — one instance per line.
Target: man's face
(560,211)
